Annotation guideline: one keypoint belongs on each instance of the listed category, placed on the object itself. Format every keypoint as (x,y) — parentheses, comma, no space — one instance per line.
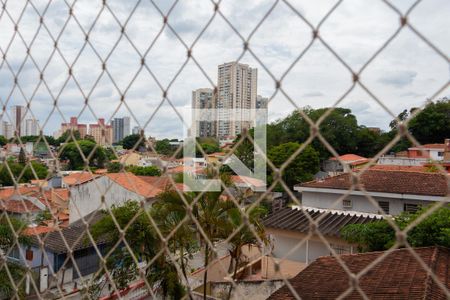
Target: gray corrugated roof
(54,241)
(293,218)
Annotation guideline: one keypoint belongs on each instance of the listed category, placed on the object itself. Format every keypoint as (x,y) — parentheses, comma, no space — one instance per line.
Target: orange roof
(38,230)
(18,206)
(162,183)
(187,169)
(135,184)
(101,171)
(350,158)
(78,178)
(429,146)
(248,180)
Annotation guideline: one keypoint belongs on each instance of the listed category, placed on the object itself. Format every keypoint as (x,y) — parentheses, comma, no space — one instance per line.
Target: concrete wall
(86,198)
(255,290)
(359,203)
(401,161)
(286,240)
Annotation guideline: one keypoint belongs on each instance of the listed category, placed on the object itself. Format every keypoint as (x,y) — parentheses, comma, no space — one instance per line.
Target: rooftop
(296,219)
(429,146)
(398,182)
(74,235)
(398,276)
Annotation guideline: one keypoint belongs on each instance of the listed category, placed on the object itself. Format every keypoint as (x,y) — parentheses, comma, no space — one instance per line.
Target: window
(347,203)
(412,208)
(384,205)
(440,154)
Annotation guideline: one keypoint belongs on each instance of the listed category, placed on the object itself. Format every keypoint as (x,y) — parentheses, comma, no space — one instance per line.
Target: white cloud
(403,75)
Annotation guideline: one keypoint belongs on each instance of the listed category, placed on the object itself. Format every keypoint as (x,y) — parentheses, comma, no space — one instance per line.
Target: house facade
(392,191)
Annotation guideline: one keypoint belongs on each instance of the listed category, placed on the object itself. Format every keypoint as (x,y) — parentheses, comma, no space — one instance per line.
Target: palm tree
(245,236)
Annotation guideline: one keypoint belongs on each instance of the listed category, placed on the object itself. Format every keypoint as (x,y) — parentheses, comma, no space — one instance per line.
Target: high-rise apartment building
(237,89)
(18,119)
(203,99)
(31,127)
(7,130)
(121,128)
(136,130)
(74,125)
(102,133)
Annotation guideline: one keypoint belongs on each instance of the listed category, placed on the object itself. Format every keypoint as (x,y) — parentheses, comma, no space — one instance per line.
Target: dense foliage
(133,141)
(23,170)
(71,153)
(433,230)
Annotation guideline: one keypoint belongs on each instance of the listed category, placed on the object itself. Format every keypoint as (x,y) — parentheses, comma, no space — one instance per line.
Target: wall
(286,240)
(86,198)
(359,203)
(255,290)
(401,161)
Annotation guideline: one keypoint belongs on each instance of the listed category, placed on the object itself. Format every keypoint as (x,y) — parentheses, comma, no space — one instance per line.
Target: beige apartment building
(102,133)
(237,89)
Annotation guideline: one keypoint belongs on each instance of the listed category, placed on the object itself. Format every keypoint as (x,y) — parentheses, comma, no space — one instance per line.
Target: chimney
(447,150)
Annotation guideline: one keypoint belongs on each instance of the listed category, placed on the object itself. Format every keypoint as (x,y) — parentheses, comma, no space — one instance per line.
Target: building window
(347,203)
(384,205)
(412,208)
(440,154)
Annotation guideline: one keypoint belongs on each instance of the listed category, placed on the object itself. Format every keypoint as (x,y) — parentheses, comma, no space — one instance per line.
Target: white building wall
(86,198)
(359,203)
(286,240)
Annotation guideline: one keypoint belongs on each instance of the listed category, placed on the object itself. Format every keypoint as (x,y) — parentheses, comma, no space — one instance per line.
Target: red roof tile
(18,206)
(398,182)
(136,184)
(398,276)
(349,157)
(78,178)
(429,146)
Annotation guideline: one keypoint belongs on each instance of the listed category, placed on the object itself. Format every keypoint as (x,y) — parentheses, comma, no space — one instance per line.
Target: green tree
(144,243)
(3,141)
(67,136)
(433,230)
(133,141)
(18,170)
(144,171)
(71,153)
(432,124)
(115,167)
(22,159)
(8,229)
(163,147)
(301,169)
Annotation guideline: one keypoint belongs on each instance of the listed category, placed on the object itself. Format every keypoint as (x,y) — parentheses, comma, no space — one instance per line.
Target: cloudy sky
(405,74)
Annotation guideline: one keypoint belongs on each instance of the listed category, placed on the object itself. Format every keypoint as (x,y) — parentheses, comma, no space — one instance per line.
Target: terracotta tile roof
(18,206)
(162,182)
(398,182)
(296,219)
(38,230)
(429,146)
(398,276)
(78,178)
(10,195)
(135,184)
(247,181)
(349,157)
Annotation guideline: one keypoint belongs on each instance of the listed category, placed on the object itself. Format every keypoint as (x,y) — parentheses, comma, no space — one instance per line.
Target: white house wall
(359,203)
(86,198)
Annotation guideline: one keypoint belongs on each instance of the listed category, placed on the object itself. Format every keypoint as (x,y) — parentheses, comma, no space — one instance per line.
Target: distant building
(102,133)
(74,125)
(18,119)
(345,163)
(121,128)
(31,127)
(7,130)
(237,89)
(136,130)
(203,99)
(417,156)
(393,191)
